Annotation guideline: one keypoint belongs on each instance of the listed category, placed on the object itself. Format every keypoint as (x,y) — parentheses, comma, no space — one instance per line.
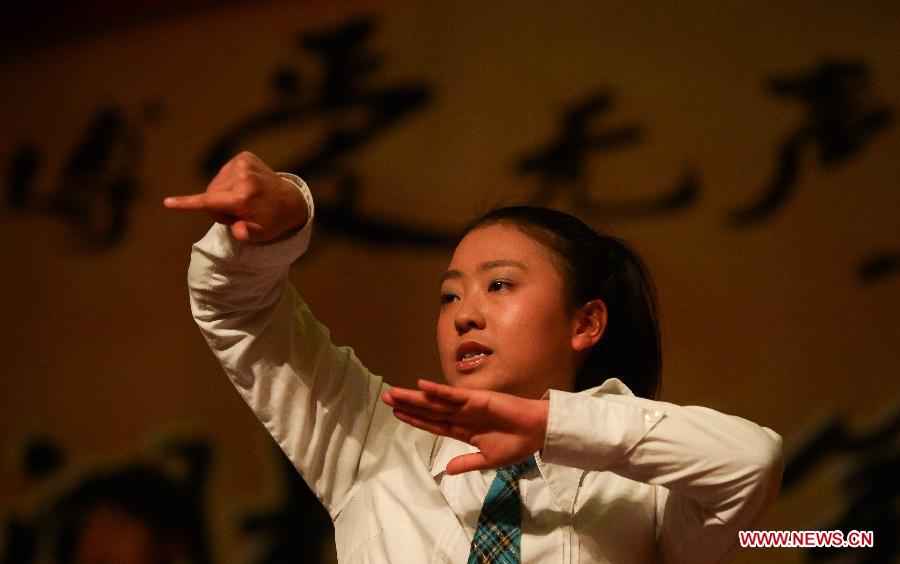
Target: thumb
(240,231)
(467,463)
(243,230)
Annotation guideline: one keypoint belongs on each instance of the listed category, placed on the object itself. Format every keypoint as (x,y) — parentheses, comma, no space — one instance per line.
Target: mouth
(470,355)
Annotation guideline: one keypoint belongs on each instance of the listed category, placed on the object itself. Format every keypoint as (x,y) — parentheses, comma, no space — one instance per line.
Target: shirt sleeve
(718,473)
(315,399)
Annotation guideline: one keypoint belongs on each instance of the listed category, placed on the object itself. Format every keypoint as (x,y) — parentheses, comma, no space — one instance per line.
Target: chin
(479,381)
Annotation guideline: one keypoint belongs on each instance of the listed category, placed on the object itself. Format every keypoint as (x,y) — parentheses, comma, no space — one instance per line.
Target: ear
(590,324)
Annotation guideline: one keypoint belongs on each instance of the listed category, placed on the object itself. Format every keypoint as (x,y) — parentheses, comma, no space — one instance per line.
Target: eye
(498,285)
(448,297)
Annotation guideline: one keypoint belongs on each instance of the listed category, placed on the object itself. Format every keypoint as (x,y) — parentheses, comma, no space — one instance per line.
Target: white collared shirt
(621,479)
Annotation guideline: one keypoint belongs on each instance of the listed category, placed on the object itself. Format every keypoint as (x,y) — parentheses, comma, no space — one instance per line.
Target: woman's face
(505,324)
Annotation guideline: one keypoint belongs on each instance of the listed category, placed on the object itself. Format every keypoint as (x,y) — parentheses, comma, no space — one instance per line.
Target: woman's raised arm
(317,400)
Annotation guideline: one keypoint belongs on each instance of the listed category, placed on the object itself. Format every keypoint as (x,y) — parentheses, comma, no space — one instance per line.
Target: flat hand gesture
(506,429)
(246,194)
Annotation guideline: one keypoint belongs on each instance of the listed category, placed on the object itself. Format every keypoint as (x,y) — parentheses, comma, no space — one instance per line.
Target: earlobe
(590,325)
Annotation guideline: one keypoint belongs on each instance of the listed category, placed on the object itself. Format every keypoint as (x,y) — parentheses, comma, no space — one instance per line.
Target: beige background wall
(770,321)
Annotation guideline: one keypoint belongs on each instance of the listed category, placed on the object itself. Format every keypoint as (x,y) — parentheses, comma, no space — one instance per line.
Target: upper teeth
(471,355)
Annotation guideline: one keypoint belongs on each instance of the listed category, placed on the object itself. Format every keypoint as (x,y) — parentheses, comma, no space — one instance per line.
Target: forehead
(499,242)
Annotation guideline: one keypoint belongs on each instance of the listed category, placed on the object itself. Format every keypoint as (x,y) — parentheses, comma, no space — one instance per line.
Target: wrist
(290,211)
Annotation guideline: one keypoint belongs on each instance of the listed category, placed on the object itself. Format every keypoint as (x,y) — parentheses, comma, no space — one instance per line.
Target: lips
(470,355)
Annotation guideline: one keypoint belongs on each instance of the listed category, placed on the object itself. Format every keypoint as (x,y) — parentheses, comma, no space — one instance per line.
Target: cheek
(540,330)
(444,332)
(532,317)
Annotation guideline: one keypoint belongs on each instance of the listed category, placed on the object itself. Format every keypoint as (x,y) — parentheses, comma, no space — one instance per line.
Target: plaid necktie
(497,536)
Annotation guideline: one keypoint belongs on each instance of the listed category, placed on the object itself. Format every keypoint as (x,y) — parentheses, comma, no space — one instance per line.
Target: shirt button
(651,416)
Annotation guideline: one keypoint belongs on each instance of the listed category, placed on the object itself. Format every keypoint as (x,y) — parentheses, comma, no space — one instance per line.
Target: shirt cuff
(307,196)
(285,249)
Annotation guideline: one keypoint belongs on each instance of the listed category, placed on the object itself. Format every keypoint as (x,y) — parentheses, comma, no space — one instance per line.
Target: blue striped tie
(497,537)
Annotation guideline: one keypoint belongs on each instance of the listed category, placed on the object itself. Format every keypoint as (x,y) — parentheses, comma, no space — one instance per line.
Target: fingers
(247,160)
(218,205)
(418,406)
(193,202)
(424,414)
(422,400)
(244,170)
(444,392)
(213,202)
(434,427)
(467,463)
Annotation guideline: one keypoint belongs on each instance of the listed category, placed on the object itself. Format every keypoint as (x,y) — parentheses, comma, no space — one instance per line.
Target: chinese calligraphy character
(880,266)
(841,120)
(98,182)
(561,165)
(354,112)
(24,166)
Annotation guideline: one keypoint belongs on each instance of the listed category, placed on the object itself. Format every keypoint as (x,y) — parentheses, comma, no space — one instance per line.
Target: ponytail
(630,348)
(596,266)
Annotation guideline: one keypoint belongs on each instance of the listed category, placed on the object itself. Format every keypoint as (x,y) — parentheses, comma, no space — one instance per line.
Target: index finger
(219,202)
(193,202)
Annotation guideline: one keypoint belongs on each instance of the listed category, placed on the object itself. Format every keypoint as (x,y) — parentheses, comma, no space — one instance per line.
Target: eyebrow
(453,274)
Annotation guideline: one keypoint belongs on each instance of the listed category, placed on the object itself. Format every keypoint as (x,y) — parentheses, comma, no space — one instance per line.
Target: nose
(469,315)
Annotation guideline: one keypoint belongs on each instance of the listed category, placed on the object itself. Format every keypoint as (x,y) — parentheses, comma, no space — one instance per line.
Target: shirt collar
(445,450)
(609,386)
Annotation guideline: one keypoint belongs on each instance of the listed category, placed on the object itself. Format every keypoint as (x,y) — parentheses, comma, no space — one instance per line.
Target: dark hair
(595,266)
(140,492)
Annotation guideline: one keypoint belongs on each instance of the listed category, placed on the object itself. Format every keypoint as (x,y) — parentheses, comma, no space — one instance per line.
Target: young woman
(544,326)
